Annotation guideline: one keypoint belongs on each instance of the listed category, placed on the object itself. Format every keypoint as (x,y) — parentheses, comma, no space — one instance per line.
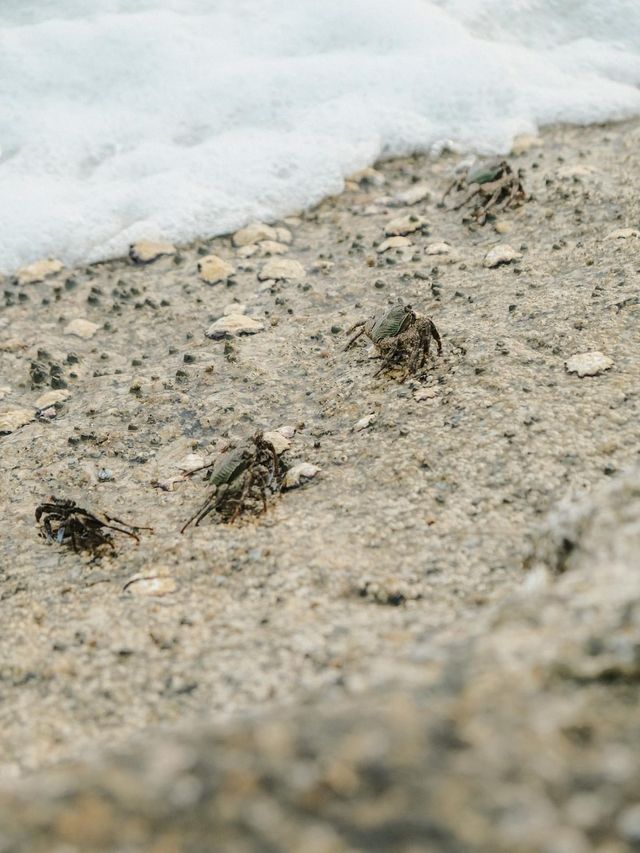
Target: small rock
(13,419)
(588,363)
(105,475)
(581,170)
(415,193)
(365,422)
(248,250)
(292,221)
(50,398)
(503,227)
(213,269)
(438,249)
(4,390)
(150,584)
(254,233)
(299,474)
(280,443)
(234,308)
(503,254)
(146,251)
(284,235)
(233,324)
(622,234)
(272,247)
(404,225)
(394,243)
(81,328)
(525,142)
(38,271)
(287,430)
(191,462)
(281,269)
(421,394)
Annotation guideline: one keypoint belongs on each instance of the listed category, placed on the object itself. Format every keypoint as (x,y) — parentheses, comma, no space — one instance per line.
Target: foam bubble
(170,119)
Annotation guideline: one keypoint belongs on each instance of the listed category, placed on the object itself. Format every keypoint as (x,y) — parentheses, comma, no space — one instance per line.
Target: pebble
(38,271)
(438,249)
(416,193)
(503,227)
(254,233)
(299,474)
(191,462)
(292,221)
(4,390)
(281,268)
(50,398)
(279,441)
(394,243)
(272,247)
(588,363)
(213,269)
(503,254)
(622,234)
(421,394)
(404,225)
(81,328)
(365,422)
(233,324)
(13,419)
(287,430)
(525,142)
(150,584)
(146,251)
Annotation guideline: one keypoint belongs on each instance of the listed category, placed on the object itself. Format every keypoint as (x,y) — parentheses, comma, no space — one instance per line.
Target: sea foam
(123,119)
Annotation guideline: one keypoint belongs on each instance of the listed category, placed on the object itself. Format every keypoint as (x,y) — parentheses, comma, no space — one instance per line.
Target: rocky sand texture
(392,657)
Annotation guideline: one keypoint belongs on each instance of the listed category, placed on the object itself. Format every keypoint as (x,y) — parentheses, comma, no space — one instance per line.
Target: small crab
(399,335)
(493,184)
(241,477)
(64,522)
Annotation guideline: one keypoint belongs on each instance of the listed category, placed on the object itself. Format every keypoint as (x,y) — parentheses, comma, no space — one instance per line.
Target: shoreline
(419,523)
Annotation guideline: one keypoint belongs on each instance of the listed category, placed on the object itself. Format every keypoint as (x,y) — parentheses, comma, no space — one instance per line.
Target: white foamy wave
(122,119)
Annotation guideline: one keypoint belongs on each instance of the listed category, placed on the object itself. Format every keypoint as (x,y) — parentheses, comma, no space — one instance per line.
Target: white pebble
(254,233)
(13,419)
(365,422)
(622,234)
(150,584)
(299,474)
(145,251)
(438,249)
(416,193)
(233,324)
(81,328)
(393,243)
(502,254)
(213,269)
(280,443)
(281,268)
(589,363)
(38,271)
(404,225)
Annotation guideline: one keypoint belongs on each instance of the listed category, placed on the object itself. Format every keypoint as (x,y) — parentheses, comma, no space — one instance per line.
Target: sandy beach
(397,584)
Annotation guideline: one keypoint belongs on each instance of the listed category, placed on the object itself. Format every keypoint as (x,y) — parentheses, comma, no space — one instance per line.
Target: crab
(241,478)
(400,336)
(64,522)
(493,184)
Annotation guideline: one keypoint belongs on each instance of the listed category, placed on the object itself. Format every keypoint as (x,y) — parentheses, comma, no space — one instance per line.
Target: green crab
(493,184)
(400,336)
(241,477)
